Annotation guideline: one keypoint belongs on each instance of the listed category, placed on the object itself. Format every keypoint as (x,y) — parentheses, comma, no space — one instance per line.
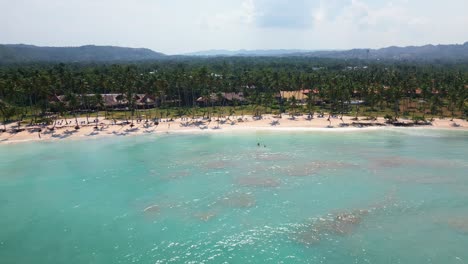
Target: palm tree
(84,98)
(453,99)
(99,100)
(435,105)
(7,111)
(60,109)
(293,105)
(74,104)
(310,104)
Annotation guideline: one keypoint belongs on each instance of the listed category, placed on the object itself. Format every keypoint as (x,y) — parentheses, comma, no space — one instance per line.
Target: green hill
(27,53)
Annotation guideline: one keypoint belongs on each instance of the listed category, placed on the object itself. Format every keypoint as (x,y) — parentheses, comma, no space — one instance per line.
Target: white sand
(268,122)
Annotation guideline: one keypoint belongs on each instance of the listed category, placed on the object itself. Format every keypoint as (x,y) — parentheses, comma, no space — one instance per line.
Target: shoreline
(199,126)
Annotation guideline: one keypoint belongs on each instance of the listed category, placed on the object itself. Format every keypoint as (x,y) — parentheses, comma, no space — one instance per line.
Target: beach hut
(222,99)
(299,95)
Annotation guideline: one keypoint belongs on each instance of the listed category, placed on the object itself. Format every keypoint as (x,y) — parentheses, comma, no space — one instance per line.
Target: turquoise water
(306,197)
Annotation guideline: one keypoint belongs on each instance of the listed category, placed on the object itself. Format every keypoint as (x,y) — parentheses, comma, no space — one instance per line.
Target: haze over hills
(243,52)
(28,53)
(424,53)
(427,52)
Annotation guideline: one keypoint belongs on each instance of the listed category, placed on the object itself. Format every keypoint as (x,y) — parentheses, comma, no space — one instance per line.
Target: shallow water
(396,196)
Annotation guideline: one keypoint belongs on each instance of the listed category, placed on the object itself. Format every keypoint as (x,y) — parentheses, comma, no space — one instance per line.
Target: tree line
(25,90)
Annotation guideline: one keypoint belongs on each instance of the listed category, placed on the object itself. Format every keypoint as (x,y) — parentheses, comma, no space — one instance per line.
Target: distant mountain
(243,52)
(27,53)
(421,53)
(424,53)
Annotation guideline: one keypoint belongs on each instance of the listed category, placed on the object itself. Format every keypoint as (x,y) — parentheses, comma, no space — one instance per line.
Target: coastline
(248,124)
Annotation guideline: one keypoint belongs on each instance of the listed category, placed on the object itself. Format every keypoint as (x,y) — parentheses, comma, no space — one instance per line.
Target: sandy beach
(246,123)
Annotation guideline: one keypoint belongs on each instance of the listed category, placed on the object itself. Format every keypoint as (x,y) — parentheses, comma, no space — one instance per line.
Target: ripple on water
(314,167)
(399,161)
(217,165)
(177,174)
(152,209)
(341,224)
(392,162)
(238,200)
(424,179)
(271,157)
(205,216)
(257,181)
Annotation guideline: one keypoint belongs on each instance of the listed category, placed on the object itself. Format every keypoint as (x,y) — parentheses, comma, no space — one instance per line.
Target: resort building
(110,101)
(222,99)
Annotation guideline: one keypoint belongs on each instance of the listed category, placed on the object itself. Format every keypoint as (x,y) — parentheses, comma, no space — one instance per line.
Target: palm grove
(394,90)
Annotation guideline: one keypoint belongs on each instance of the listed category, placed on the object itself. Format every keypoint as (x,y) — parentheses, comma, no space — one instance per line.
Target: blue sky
(178,26)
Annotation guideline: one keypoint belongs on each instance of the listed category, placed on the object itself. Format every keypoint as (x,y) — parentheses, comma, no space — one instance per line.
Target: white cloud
(238,17)
(357,23)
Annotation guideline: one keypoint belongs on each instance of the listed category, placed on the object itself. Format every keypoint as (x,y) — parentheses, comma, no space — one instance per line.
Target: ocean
(377,196)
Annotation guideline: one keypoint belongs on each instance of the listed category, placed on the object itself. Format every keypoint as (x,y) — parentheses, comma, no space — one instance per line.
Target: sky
(180,26)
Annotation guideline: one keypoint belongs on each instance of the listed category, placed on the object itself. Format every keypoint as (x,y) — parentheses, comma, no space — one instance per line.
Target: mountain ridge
(425,52)
(244,52)
(24,53)
(18,53)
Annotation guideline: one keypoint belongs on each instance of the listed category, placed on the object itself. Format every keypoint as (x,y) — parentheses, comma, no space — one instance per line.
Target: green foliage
(178,83)
(7,111)
(418,119)
(389,117)
(29,53)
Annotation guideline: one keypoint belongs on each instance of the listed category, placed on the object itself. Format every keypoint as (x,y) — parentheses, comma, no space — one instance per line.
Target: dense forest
(28,54)
(416,90)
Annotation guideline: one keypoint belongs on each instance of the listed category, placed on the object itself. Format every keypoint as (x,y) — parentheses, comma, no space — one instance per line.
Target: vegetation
(394,90)
(28,53)
(428,53)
